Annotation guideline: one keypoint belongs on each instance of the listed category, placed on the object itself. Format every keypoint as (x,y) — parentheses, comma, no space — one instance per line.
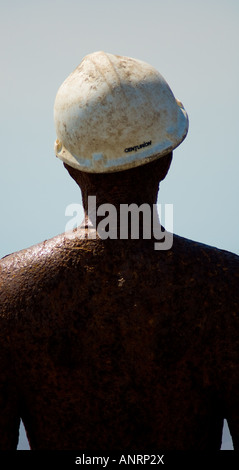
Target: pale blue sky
(195,47)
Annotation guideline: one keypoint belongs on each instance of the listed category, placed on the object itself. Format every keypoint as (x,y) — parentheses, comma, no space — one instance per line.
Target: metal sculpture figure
(109,344)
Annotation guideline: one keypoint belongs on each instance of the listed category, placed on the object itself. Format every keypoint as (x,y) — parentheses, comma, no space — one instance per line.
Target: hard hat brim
(99,163)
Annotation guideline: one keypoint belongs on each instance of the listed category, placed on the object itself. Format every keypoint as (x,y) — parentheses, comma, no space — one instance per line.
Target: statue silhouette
(111,345)
(119,343)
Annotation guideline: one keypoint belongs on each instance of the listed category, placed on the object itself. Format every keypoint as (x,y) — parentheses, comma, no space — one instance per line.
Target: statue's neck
(111,194)
(123,204)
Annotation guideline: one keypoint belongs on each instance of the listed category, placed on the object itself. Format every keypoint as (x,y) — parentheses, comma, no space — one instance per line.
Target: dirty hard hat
(114,113)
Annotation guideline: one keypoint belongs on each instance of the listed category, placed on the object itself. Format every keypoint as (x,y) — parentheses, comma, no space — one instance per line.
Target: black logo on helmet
(138,147)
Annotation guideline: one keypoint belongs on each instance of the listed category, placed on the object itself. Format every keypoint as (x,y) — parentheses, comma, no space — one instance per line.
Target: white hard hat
(114,113)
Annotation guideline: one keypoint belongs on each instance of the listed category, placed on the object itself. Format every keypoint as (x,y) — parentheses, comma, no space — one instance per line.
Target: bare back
(112,345)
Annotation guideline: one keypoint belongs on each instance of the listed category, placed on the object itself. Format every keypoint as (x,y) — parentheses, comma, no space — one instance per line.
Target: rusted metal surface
(111,345)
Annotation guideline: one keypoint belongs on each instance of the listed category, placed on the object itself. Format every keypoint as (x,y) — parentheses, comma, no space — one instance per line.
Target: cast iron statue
(111,345)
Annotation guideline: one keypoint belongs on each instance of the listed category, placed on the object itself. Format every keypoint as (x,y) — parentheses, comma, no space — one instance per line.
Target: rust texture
(111,345)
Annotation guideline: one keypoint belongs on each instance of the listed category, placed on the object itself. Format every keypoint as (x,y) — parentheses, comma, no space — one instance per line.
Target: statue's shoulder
(23,259)
(48,250)
(45,260)
(206,260)
(202,250)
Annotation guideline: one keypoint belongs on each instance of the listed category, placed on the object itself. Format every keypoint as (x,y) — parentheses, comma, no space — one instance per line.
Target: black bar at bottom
(109,460)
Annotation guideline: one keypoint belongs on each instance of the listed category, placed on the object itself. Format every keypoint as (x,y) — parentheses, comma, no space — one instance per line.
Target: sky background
(193,44)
